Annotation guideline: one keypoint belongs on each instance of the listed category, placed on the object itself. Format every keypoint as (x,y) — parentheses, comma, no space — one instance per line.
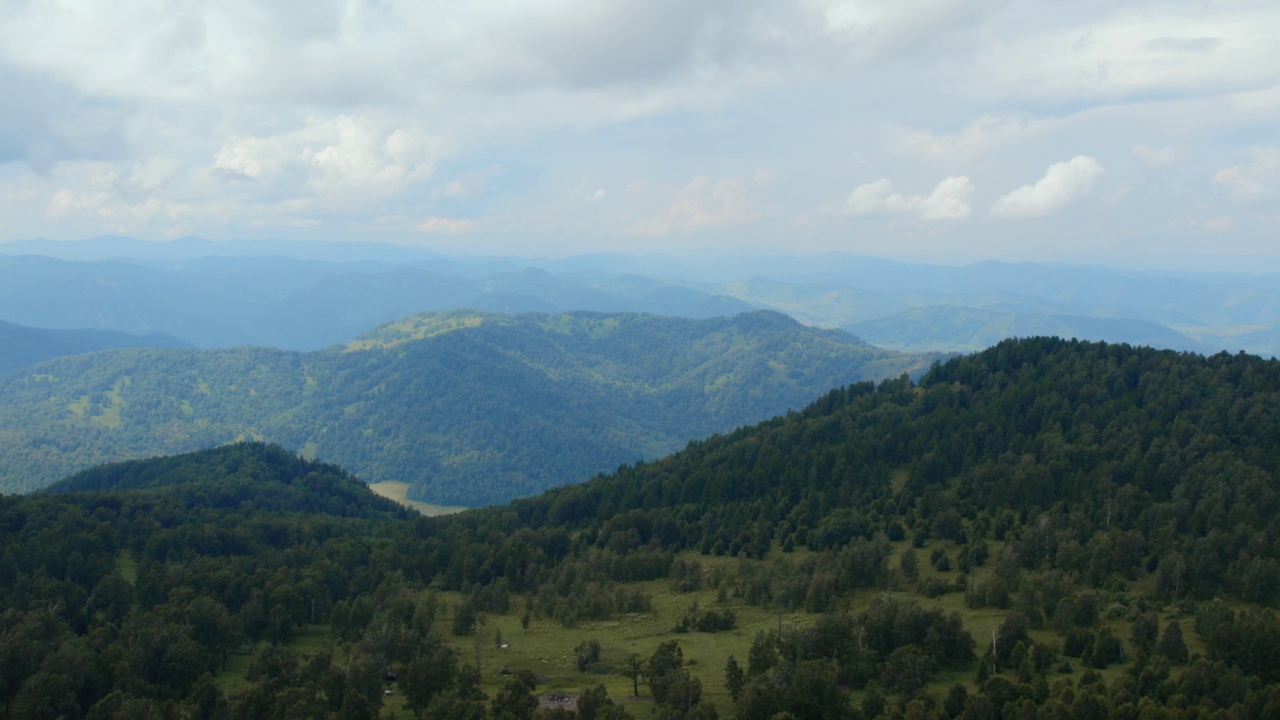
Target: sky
(1141,134)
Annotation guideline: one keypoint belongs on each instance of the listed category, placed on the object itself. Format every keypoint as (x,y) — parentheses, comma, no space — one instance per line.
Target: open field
(399,491)
(548,649)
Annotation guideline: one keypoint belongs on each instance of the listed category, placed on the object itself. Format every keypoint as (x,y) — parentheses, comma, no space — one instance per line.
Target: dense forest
(470,408)
(1049,528)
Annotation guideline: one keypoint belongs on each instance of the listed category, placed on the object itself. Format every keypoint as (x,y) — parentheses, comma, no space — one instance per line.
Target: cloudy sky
(1128,133)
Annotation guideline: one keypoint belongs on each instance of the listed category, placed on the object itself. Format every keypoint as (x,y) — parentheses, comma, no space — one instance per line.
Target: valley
(469,408)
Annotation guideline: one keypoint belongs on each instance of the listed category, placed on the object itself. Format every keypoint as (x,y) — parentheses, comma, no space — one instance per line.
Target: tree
(634,669)
(957,697)
(663,670)
(1106,649)
(1171,645)
(907,671)
(1145,631)
(595,704)
(433,672)
(515,701)
(909,564)
(586,654)
(763,655)
(465,619)
(734,678)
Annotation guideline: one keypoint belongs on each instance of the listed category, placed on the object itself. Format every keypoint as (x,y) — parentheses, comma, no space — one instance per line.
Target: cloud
(948,201)
(447,225)
(1121,53)
(1219,225)
(978,138)
(471,184)
(1062,184)
(1252,182)
(94,197)
(347,119)
(348,162)
(1157,157)
(700,204)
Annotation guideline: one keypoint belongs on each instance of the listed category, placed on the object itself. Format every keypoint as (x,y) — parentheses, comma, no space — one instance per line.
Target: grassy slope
(547,649)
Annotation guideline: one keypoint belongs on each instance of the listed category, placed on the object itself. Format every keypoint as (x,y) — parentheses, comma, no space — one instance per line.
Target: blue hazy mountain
(21,346)
(304,296)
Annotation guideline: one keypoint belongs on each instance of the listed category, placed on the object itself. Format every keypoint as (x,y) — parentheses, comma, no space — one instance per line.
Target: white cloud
(903,26)
(1124,53)
(447,225)
(1219,225)
(700,204)
(1252,182)
(348,162)
(96,197)
(386,118)
(948,201)
(1157,157)
(1062,184)
(471,184)
(978,138)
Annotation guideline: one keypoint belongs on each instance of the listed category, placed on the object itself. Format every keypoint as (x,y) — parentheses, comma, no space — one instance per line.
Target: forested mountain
(1046,529)
(470,408)
(21,346)
(299,304)
(307,296)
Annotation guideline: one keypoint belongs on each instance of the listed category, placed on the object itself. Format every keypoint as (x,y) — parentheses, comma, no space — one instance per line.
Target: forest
(469,408)
(1048,528)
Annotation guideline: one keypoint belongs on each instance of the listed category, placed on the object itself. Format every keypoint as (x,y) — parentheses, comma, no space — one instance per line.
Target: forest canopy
(1046,529)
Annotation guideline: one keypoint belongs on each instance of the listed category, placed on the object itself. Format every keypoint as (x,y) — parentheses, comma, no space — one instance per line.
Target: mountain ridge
(498,406)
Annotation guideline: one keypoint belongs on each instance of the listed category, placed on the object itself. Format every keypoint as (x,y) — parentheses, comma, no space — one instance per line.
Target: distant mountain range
(470,408)
(21,346)
(299,304)
(307,296)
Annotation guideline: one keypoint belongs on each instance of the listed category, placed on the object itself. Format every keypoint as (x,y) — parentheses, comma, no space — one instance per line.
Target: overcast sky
(1127,133)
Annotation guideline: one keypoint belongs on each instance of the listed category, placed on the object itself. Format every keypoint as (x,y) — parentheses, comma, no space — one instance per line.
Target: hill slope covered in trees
(470,408)
(1045,529)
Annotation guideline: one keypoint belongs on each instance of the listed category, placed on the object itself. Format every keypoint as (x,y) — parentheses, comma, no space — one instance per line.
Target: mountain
(1047,528)
(964,329)
(301,304)
(307,296)
(470,408)
(246,476)
(114,295)
(21,346)
(974,307)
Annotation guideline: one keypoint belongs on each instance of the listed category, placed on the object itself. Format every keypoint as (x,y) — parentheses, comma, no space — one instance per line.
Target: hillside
(1044,529)
(1080,506)
(470,408)
(247,476)
(21,346)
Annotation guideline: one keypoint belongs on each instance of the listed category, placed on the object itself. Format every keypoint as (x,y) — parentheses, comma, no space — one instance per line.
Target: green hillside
(1045,529)
(469,408)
